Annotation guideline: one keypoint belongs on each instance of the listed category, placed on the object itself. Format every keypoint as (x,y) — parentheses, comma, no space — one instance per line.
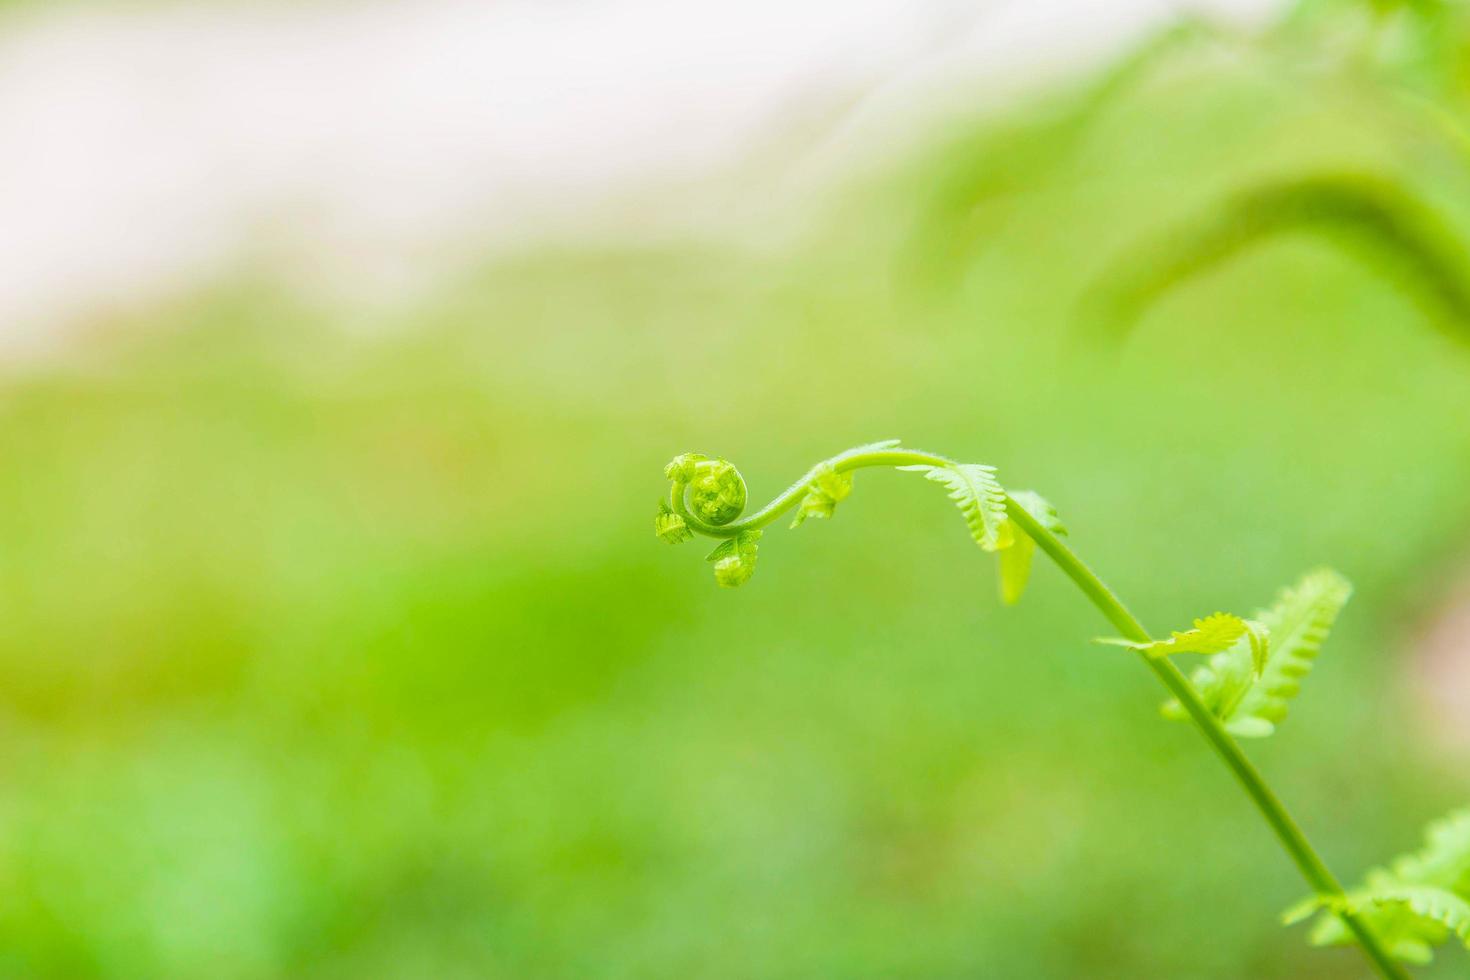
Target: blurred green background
(333,655)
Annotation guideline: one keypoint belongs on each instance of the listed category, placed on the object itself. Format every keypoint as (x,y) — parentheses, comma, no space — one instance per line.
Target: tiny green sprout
(669,526)
(826,490)
(1254,666)
(734,559)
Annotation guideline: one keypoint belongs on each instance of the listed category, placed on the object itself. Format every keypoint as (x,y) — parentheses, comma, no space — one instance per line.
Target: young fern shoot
(1414,904)
(1254,668)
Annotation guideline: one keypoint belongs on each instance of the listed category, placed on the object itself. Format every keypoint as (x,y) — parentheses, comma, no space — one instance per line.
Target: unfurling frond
(1017,548)
(976,492)
(1428,902)
(826,489)
(708,496)
(734,559)
(1251,702)
(1414,904)
(1213,634)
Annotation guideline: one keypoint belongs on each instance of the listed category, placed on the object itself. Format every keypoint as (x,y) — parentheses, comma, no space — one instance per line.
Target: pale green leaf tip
(734,559)
(669,526)
(733,572)
(825,490)
(1305,909)
(974,489)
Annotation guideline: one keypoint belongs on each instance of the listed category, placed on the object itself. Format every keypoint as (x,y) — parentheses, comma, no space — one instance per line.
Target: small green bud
(735,571)
(669,526)
(734,559)
(825,491)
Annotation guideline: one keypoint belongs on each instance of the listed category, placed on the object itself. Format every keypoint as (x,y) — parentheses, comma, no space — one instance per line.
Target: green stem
(791,496)
(1287,832)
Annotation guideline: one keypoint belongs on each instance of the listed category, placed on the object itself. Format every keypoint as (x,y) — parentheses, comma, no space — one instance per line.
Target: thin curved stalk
(1302,854)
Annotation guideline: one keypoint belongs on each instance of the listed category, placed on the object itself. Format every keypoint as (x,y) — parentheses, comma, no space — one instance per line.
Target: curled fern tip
(716,490)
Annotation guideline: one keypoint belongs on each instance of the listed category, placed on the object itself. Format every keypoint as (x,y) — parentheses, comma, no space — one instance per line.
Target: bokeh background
(343,347)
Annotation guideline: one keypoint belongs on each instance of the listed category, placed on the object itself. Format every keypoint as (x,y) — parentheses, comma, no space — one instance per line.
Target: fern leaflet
(1016,546)
(1428,902)
(1415,903)
(1215,633)
(1251,702)
(976,492)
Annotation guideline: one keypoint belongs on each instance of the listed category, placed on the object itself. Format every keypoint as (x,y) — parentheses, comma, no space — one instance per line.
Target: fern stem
(1280,820)
(853,459)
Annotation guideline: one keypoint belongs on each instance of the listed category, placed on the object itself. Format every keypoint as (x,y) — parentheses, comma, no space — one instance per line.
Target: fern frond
(1415,903)
(1299,623)
(1252,700)
(1406,935)
(1445,857)
(1426,901)
(1017,548)
(976,492)
(1410,920)
(1215,633)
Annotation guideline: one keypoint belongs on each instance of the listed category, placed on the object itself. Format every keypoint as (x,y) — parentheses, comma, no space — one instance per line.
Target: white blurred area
(365,148)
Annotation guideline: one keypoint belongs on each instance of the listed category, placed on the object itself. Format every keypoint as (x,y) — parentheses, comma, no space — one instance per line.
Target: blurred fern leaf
(1017,548)
(1413,905)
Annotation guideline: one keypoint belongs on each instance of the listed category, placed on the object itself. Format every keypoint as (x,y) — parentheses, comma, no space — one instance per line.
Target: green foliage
(1255,668)
(669,526)
(1414,904)
(704,488)
(1379,219)
(1214,634)
(734,559)
(825,490)
(1017,547)
(987,174)
(1438,905)
(316,666)
(976,492)
(716,491)
(1252,697)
